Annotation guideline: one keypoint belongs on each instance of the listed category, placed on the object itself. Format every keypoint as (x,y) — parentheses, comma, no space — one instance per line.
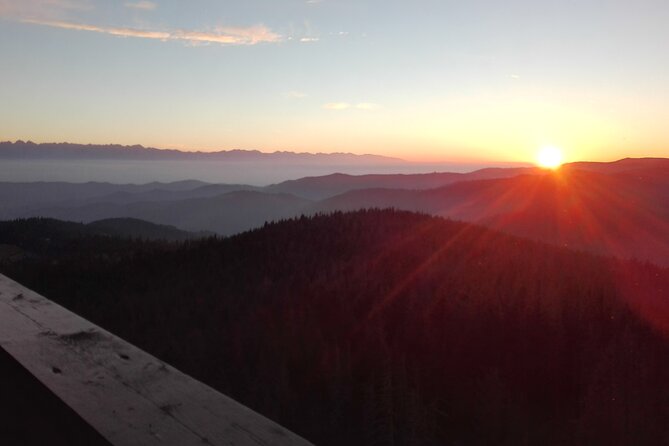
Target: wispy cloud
(294,95)
(41,8)
(142,4)
(309,39)
(365,106)
(368,106)
(337,106)
(224,35)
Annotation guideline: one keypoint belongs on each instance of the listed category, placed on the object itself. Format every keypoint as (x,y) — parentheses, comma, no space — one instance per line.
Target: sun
(549,157)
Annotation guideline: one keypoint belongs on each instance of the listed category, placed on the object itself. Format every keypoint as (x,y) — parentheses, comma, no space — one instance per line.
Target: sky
(423,80)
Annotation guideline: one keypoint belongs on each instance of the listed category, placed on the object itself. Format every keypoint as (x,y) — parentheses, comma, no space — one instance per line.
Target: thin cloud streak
(337,106)
(143,5)
(365,106)
(368,106)
(294,95)
(224,36)
(41,8)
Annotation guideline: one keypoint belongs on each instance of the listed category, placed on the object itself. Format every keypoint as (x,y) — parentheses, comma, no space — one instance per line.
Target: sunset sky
(424,80)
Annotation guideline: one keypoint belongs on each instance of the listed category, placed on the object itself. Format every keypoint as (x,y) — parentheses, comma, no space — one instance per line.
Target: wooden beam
(127,395)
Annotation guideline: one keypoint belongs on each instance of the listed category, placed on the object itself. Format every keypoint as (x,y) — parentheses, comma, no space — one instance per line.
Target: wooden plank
(127,395)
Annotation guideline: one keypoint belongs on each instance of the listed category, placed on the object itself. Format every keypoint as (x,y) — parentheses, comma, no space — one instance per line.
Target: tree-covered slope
(383,327)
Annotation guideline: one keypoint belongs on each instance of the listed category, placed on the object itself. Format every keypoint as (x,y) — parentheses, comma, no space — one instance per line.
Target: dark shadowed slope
(37,235)
(395,328)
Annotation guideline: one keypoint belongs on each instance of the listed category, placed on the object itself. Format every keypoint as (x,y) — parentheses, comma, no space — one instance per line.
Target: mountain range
(27,150)
(619,208)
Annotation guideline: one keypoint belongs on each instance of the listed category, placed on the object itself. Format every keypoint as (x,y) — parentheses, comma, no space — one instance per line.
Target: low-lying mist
(253,173)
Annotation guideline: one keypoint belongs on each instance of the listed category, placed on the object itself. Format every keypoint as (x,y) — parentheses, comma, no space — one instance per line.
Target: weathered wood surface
(127,395)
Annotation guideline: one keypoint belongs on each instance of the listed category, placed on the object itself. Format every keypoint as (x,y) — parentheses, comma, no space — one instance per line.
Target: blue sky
(423,80)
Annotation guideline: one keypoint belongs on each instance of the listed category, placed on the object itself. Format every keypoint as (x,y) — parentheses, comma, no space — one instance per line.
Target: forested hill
(383,327)
(39,234)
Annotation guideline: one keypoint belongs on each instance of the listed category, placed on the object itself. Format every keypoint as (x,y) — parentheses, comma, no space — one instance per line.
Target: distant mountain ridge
(226,213)
(27,150)
(621,165)
(317,188)
(619,208)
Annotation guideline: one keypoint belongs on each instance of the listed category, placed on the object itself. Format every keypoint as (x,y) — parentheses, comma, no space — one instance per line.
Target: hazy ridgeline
(258,174)
(25,161)
(619,209)
(384,327)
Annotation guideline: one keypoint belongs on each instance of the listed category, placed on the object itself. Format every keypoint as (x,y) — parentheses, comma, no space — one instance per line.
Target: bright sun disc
(549,157)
